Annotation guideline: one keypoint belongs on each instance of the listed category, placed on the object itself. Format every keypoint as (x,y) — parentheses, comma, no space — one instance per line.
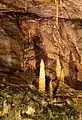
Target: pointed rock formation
(42,76)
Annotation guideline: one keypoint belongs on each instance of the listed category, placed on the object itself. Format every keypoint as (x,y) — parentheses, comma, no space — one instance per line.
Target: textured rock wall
(11,39)
(70,8)
(54,40)
(28,30)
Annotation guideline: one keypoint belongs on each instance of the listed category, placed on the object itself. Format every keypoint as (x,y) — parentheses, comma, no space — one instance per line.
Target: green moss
(19,102)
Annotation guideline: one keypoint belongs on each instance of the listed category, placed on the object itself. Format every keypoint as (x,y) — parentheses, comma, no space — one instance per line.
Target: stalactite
(57,9)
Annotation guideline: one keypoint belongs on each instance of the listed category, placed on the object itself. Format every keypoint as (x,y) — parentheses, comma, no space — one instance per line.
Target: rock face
(29,33)
(11,48)
(70,9)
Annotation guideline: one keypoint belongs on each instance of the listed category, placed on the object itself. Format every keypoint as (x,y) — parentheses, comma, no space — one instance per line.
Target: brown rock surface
(70,9)
(31,25)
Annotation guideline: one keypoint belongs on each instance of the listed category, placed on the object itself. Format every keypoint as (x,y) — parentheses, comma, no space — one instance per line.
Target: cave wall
(11,47)
(55,40)
(29,33)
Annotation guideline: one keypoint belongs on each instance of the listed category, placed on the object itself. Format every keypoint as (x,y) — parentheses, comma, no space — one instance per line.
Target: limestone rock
(32,24)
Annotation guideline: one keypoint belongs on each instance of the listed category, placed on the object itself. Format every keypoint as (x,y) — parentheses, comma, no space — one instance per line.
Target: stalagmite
(62,75)
(58,69)
(51,89)
(42,77)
